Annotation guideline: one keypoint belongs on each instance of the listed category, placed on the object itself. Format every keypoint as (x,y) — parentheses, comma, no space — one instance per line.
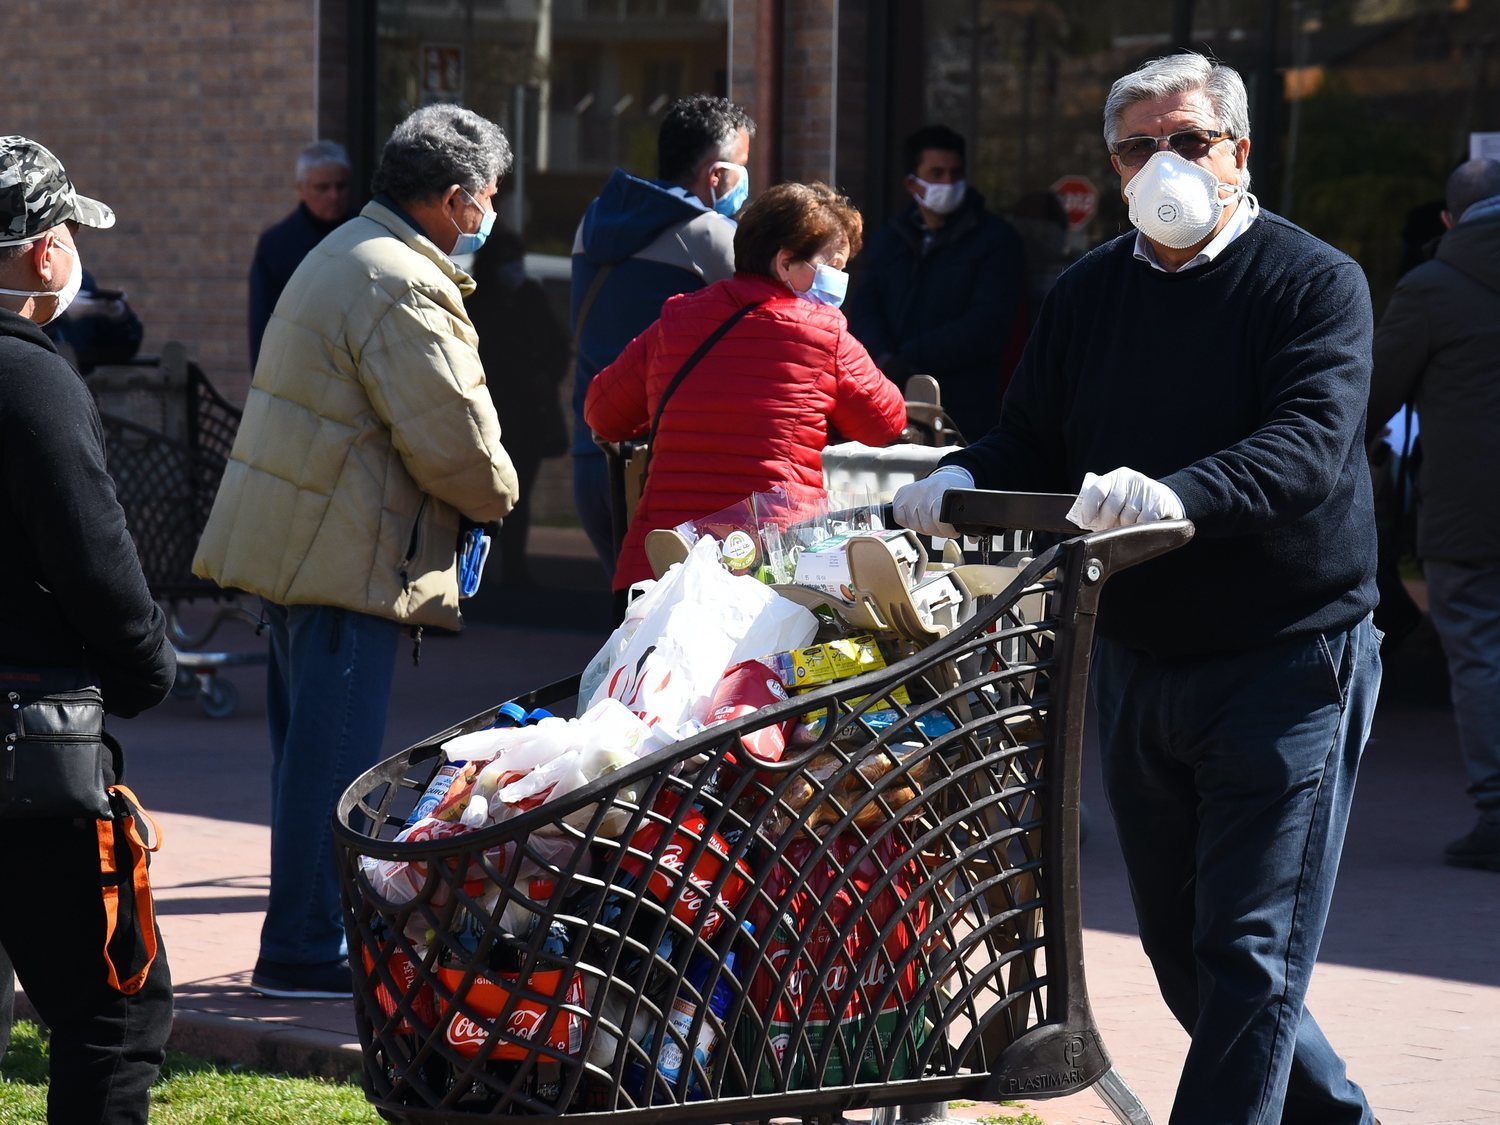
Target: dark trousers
(107,1048)
(1230,780)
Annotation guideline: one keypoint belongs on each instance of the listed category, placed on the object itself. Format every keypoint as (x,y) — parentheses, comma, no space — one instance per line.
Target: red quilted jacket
(755,412)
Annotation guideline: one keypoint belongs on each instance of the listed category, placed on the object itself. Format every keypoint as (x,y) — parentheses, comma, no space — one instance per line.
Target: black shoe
(1480,848)
(330,980)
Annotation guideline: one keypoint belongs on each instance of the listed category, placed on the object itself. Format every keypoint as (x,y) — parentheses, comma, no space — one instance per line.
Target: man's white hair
(318,154)
(1180,74)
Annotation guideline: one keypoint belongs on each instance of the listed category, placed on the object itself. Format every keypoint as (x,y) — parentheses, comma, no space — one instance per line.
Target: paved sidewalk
(1408,988)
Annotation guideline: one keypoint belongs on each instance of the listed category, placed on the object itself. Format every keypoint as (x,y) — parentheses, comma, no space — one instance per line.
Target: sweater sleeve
(74,528)
(1403,345)
(869,407)
(1316,382)
(616,408)
(426,382)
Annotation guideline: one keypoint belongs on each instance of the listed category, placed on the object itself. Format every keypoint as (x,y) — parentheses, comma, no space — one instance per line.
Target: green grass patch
(1026,1118)
(190,1092)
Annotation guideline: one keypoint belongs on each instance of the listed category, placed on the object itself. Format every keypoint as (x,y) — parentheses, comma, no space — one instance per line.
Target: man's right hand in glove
(917,505)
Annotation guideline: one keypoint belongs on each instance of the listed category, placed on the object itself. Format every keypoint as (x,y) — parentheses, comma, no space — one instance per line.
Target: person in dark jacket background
(525,351)
(1215,366)
(322,205)
(944,286)
(640,242)
(72,597)
(1438,345)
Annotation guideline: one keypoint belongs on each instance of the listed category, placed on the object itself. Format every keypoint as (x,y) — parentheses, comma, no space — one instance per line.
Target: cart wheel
(185,686)
(220,699)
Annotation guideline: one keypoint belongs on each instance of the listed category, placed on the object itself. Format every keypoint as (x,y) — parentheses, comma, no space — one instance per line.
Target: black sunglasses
(1190,144)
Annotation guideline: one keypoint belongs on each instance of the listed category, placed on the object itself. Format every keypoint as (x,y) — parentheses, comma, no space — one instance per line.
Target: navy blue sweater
(1241,385)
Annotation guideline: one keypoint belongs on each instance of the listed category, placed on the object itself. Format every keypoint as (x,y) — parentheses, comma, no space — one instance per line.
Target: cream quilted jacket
(367,430)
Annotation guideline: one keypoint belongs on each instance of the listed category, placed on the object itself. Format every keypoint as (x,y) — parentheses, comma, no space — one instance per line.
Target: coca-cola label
(837,986)
(667,872)
(527,1019)
(404,973)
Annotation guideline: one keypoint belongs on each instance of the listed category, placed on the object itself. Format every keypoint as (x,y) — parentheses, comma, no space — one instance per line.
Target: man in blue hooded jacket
(640,242)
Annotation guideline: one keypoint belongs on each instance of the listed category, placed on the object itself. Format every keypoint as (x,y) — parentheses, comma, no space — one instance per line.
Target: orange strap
(128,816)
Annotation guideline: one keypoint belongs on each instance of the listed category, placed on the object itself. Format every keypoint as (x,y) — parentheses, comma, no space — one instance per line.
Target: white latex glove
(1122,498)
(917,505)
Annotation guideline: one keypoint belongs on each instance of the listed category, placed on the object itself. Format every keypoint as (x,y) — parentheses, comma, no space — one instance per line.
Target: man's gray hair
(439,146)
(318,154)
(1472,181)
(1180,74)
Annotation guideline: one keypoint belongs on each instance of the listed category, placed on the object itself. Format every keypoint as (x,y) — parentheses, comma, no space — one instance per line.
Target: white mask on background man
(64,296)
(1176,202)
(942,199)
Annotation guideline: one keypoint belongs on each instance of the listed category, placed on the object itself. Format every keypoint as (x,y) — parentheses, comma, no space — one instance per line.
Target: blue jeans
(328,689)
(591,498)
(1464,600)
(1230,780)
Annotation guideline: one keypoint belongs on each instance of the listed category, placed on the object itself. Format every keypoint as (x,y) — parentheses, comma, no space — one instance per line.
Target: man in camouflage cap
(73,601)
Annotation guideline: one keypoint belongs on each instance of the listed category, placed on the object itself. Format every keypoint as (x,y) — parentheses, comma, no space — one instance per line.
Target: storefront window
(578,85)
(1359,108)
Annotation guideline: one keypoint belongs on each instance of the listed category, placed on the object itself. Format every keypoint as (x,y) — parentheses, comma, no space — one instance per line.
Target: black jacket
(71,589)
(1438,345)
(948,311)
(277,255)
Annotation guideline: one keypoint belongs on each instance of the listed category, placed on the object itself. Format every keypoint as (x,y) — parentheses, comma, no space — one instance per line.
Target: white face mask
(1176,202)
(64,296)
(942,199)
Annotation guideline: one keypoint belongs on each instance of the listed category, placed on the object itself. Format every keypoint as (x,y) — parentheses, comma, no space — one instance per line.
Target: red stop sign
(1079,198)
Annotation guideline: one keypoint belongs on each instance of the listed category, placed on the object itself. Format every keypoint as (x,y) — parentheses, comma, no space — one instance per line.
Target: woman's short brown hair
(801,218)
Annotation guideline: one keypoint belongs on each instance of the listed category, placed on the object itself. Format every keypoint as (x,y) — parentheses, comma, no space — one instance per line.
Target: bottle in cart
(679,1019)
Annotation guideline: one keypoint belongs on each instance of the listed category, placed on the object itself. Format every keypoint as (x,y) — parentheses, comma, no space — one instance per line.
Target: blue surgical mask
(470,243)
(730,202)
(828,287)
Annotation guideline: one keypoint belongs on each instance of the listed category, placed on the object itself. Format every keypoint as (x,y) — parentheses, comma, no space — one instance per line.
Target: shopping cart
(887,916)
(167,437)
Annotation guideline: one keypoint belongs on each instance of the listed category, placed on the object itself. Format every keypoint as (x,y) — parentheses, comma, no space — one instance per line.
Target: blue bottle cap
(510,715)
(537,715)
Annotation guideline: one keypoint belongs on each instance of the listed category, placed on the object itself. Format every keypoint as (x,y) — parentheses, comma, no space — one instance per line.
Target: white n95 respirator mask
(1176,202)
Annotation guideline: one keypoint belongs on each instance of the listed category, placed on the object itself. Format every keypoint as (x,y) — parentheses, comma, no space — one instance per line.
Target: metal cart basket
(167,436)
(887,916)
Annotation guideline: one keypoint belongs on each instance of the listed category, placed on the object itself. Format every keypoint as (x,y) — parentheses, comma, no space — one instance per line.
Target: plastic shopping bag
(665,661)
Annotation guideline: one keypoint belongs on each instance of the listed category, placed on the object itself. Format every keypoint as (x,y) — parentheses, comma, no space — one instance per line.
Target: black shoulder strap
(588,302)
(692,361)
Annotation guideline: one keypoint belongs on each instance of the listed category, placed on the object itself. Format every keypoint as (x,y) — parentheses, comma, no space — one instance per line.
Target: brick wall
(186,118)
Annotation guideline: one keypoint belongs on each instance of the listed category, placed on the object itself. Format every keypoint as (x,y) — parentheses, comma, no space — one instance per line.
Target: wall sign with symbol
(1080,199)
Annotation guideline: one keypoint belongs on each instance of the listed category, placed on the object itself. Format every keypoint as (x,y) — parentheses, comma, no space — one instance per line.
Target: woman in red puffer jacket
(757,409)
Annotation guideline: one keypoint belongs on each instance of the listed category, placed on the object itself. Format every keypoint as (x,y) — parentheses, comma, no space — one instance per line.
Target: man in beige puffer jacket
(367,432)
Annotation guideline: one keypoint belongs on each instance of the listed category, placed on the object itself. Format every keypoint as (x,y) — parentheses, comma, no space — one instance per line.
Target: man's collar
(1484,209)
(1244,214)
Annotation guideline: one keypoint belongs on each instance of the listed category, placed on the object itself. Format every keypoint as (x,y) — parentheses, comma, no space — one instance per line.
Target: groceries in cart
(765,898)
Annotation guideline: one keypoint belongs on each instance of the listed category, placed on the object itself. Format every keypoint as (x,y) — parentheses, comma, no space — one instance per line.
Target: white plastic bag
(665,664)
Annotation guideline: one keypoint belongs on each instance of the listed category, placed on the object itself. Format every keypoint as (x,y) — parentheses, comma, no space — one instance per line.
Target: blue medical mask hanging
(470,243)
(730,202)
(828,286)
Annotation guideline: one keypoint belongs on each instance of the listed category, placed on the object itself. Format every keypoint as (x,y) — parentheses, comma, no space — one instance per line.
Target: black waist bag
(57,760)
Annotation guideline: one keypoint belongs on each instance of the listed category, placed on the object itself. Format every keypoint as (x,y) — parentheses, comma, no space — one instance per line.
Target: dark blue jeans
(328,689)
(1230,780)
(591,498)
(1464,599)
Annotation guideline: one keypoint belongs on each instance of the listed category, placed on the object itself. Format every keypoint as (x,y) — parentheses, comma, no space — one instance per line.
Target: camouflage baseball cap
(36,194)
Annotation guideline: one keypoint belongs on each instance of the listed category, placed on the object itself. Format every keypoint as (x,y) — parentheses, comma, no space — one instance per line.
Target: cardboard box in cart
(825,565)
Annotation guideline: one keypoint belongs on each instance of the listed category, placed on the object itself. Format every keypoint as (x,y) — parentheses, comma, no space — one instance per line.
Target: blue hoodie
(658,244)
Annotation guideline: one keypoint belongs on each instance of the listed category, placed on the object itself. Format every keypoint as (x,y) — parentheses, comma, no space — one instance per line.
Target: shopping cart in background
(889,916)
(167,437)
